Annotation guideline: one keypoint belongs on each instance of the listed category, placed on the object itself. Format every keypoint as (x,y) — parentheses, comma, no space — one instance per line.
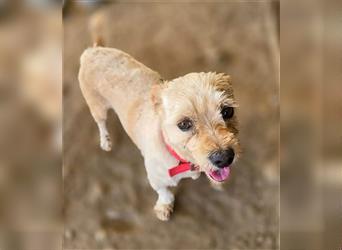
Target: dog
(182,127)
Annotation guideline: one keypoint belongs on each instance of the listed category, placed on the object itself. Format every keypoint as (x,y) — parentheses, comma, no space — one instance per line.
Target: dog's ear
(223,81)
(156,95)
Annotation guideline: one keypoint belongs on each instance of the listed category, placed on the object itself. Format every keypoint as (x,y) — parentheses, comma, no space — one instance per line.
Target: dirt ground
(107,199)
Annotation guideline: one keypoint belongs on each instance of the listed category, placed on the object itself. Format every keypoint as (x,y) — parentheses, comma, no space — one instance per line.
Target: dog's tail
(96,27)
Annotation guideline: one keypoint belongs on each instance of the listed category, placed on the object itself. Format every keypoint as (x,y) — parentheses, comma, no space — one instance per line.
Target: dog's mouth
(220,174)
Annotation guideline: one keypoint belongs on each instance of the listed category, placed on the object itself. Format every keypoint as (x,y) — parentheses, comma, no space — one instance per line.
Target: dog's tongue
(220,174)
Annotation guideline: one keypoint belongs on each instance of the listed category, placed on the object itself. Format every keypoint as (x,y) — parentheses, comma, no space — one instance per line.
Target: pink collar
(182,166)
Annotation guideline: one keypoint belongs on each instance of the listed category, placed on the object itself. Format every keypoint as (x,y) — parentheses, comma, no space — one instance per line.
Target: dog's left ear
(223,82)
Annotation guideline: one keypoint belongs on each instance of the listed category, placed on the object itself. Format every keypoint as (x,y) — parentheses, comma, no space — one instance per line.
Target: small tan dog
(182,127)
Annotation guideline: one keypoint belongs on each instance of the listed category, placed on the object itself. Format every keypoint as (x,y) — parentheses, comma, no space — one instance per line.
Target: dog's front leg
(164,205)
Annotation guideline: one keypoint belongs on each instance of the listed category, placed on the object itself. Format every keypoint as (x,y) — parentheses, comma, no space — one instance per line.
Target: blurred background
(311,125)
(289,122)
(108,202)
(30,125)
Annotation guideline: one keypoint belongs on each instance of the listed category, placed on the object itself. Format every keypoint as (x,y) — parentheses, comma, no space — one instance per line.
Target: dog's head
(198,120)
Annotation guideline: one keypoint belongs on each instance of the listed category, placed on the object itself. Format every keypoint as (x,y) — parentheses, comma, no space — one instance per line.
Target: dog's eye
(227,112)
(185,124)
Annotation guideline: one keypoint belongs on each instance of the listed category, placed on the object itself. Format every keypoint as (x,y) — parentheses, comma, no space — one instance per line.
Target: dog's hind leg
(98,108)
(105,141)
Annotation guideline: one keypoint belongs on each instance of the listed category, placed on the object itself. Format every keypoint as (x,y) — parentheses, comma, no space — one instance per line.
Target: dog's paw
(106,143)
(163,211)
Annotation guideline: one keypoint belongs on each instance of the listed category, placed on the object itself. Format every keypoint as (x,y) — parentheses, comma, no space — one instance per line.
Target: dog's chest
(158,173)
(188,174)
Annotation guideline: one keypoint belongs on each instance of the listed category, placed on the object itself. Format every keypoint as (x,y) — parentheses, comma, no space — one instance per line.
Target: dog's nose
(222,158)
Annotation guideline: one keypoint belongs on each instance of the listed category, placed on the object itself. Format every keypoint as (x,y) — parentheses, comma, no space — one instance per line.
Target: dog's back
(110,78)
(111,74)
(114,75)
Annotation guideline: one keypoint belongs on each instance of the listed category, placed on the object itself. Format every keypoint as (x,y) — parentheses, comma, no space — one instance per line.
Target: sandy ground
(107,199)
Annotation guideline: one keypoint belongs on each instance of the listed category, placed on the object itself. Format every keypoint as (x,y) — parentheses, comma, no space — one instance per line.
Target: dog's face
(199,121)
